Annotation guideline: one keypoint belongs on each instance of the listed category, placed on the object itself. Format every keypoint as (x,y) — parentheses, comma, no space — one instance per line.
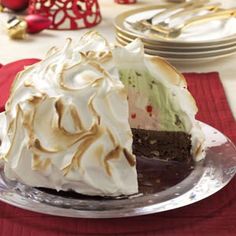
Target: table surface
(37,45)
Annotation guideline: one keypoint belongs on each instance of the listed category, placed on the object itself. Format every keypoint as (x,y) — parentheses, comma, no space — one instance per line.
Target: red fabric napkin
(8,74)
(215,215)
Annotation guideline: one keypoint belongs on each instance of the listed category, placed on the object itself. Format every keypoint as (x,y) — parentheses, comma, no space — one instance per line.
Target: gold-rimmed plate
(185,58)
(217,38)
(181,53)
(168,48)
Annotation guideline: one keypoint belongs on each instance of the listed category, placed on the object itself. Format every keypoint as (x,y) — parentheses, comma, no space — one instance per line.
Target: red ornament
(67,14)
(18,28)
(15,5)
(37,23)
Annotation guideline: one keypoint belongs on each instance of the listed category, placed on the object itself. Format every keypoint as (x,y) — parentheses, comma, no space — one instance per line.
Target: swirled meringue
(68,119)
(67,123)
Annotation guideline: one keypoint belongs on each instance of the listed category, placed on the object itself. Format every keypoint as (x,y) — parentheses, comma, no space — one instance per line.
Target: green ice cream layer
(161,98)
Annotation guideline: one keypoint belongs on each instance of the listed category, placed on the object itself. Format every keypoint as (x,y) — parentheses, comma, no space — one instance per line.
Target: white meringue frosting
(67,123)
(68,120)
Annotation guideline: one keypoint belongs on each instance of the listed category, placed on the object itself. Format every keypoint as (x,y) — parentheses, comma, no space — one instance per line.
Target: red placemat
(215,215)
(213,108)
(8,74)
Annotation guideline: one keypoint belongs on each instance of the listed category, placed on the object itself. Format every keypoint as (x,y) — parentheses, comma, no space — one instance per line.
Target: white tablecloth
(37,45)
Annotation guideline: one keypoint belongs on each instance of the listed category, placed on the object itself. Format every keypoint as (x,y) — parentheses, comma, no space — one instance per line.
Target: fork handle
(176,7)
(212,16)
(194,9)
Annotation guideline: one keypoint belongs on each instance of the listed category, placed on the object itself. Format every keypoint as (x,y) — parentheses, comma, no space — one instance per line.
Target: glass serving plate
(163,186)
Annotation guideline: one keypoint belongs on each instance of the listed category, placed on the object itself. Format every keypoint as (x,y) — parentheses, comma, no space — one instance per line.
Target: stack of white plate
(200,42)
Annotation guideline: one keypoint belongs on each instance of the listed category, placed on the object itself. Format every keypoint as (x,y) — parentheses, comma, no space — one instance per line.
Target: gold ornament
(16,28)
(1,8)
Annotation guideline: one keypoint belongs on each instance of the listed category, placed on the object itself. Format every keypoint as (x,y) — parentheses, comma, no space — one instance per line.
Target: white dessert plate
(180,51)
(176,46)
(217,32)
(183,58)
(179,186)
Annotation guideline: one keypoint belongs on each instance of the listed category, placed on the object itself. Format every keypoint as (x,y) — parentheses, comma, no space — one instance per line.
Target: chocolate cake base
(162,145)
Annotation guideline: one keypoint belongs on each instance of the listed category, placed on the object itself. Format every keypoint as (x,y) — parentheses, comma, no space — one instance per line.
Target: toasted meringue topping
(68,117)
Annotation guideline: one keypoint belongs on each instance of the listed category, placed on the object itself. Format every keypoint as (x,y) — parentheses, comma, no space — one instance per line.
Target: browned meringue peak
(67,117)
(63,128)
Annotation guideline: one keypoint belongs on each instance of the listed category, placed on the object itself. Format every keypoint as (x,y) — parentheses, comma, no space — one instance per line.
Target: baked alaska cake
(78,119)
